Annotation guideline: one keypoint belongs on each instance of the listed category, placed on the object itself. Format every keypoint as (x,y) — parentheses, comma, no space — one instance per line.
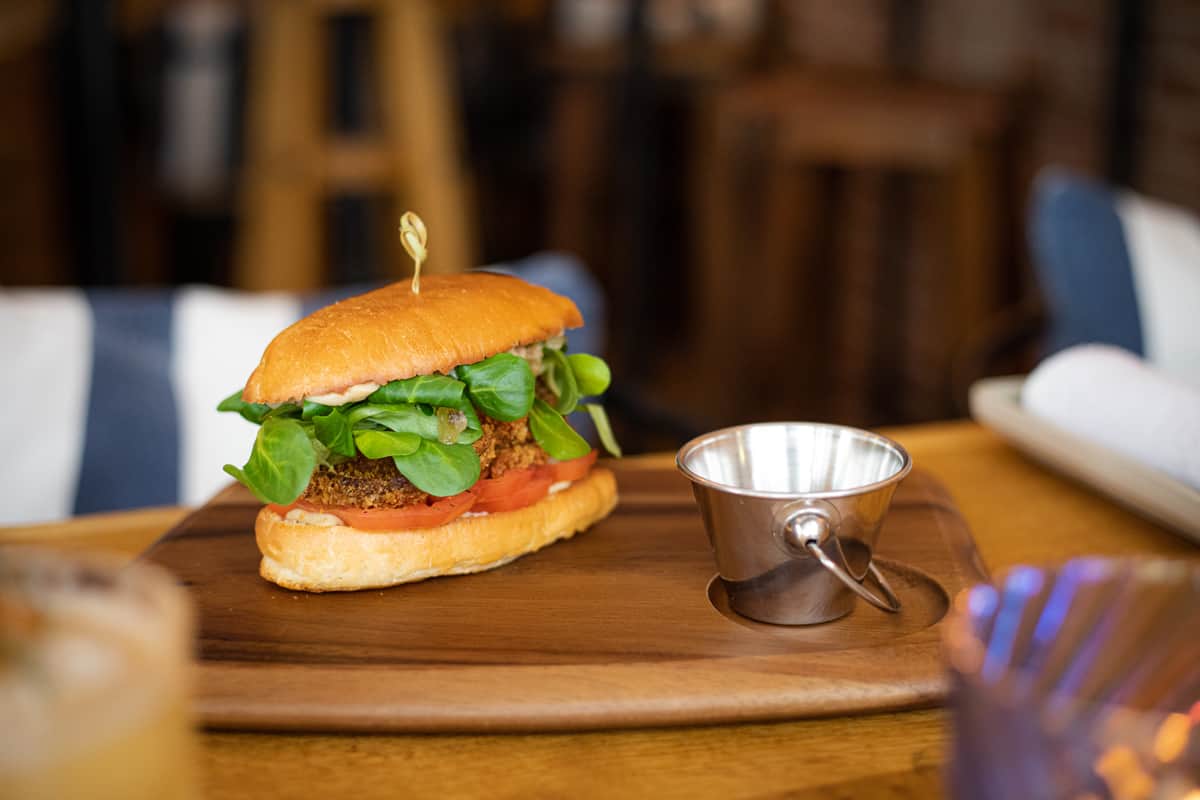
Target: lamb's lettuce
(385,444)
(335,432)
(571,378)
(603,428)
(281,462)
(433,390)
(311,409)
(560,377)
(440,469)
(592,375)
(400,421)
(251,412)
(553,433)
(501,386)
(284,410)
(409,418)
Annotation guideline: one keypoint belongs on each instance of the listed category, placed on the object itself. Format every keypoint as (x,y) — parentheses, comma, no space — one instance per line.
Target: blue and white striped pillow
(1118,268)
(111,394)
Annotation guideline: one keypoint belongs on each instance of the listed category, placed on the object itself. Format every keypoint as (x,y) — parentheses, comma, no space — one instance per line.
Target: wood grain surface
(617,627)
(1018,511)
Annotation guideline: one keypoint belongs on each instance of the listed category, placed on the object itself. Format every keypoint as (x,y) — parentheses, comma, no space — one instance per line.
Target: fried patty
(376,483)
(363,483)
(519,456)
(498,437)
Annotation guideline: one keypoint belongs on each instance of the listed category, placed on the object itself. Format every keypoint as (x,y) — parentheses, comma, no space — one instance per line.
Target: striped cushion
(1165,245)
(1117,268)
(112,392)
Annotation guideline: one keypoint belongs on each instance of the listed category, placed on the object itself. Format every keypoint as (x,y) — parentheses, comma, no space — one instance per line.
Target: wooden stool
(293,163)
(803,332)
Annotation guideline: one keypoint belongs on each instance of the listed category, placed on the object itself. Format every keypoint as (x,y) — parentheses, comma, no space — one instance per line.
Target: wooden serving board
(622,626)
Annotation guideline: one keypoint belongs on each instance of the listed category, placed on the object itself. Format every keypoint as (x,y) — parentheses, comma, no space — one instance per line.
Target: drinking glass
(1078,682)
(94,672)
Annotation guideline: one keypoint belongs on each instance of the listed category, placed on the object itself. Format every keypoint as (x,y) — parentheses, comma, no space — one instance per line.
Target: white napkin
(1112,398)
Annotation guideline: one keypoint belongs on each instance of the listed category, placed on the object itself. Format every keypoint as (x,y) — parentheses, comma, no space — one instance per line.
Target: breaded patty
(519,456)
(376,483)
(363,483)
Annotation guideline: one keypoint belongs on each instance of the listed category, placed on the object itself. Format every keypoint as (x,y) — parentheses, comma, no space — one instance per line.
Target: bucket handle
(807,530)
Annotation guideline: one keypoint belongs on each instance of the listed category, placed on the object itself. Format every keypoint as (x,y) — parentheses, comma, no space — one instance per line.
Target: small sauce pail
(793,511)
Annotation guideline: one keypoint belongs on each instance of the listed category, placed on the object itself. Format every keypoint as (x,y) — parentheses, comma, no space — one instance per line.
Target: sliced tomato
(417,515)
(535,487)
(514,489)
(488,489)
(571,470)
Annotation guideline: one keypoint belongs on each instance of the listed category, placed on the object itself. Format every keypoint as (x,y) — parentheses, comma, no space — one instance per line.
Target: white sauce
(351,395)
(313,518)
(532,353)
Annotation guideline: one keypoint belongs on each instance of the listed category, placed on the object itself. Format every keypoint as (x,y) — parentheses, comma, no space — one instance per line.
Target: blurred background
(790,208)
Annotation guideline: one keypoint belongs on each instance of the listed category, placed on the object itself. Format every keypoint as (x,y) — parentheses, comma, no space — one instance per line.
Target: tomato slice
(535,487)
(417,515)
(514,489)
(488,489)
(572,470)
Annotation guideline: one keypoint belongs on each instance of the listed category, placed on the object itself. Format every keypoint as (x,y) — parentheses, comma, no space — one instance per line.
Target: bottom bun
(333,558)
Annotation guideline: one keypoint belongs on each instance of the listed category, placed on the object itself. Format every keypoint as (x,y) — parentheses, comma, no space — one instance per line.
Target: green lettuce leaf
(553,433)
(591,373)
(603,428)
(251,412)
(435,390)
(312,409)
(335,432)
(501,386)
(290,410)
(561,380)
(408,418)
(440,469)
(385,444)
(281,462)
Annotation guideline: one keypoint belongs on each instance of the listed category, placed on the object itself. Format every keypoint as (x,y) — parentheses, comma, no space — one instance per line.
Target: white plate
(996,403)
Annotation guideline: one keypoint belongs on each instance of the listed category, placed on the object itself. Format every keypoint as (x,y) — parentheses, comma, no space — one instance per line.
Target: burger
(407,435)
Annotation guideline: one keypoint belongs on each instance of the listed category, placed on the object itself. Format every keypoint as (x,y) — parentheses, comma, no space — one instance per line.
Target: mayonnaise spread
(351,395)
(313,518)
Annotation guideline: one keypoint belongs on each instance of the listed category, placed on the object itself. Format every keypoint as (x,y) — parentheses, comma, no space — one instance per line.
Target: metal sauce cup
(793,510)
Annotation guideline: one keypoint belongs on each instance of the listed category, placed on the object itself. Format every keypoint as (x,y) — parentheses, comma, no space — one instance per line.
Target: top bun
(390,334)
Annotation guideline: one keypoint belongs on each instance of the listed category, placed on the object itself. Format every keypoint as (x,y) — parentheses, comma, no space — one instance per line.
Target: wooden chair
(293,163)
(798,303)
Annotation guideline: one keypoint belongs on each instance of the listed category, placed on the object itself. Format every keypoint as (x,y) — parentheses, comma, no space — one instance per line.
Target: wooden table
(1019,513)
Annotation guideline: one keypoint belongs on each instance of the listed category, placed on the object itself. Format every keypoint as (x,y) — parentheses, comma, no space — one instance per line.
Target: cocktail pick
(414,238)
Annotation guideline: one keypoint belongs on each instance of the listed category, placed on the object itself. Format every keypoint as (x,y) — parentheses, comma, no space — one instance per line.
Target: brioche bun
(391,334)
(317,558)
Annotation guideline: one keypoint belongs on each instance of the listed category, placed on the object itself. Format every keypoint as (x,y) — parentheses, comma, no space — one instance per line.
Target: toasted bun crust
(390,334)
(317,558)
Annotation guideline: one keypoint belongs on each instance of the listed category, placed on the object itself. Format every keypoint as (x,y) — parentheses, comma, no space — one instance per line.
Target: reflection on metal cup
(793,510)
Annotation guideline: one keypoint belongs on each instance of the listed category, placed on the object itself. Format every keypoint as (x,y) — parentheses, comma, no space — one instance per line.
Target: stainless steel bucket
(793,510)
